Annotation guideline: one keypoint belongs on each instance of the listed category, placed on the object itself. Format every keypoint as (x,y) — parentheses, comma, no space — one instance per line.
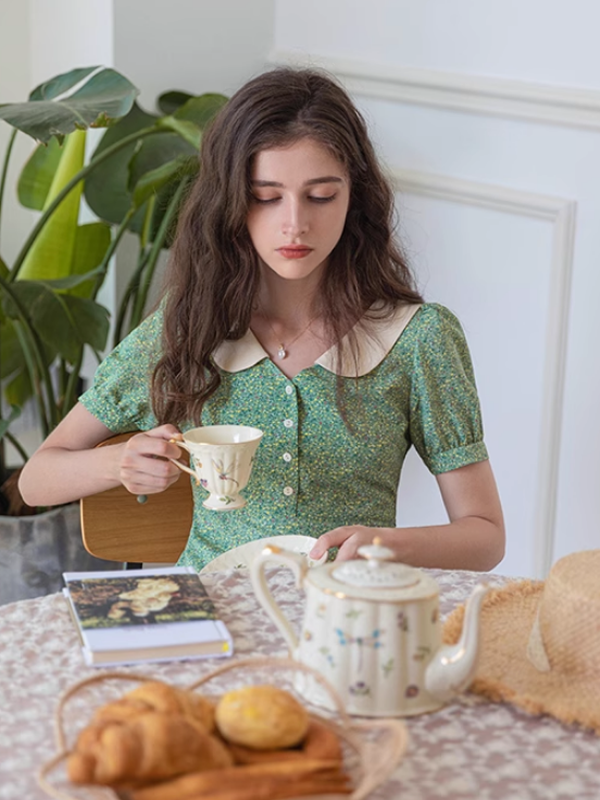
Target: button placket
(289,463)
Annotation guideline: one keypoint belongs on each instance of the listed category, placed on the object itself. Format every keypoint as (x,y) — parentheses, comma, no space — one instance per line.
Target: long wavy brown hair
(214,271)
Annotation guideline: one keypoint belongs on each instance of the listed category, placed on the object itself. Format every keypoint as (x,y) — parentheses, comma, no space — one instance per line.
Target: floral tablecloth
(470,749)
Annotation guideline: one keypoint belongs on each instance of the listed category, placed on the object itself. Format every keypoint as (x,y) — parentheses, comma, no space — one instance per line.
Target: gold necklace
(283,351)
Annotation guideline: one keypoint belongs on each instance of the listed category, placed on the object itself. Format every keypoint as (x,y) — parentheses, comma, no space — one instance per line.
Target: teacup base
(223,502)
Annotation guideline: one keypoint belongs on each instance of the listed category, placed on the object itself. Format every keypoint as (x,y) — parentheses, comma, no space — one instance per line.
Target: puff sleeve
(445,418)
(120,394)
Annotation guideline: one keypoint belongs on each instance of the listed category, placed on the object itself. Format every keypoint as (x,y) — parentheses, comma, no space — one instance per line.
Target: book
(131,616)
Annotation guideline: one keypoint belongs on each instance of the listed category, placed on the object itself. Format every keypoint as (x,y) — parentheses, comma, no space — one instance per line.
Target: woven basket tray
(372,748)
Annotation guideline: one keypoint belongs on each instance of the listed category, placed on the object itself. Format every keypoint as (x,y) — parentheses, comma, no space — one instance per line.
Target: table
(469,749)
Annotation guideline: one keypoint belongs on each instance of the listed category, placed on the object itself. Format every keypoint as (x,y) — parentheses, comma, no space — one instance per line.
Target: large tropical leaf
(201,109)
(37,175)
(91,97)
(106,189)
(91,243)
(169,102)
(152,182)
(158,151)
(63,323)
(51,254)
(90,319)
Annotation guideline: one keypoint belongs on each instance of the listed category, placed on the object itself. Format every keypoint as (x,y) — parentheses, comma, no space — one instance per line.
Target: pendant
(281,353)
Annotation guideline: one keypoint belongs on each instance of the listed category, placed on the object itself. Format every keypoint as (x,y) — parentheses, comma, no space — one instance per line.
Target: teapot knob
(375,553)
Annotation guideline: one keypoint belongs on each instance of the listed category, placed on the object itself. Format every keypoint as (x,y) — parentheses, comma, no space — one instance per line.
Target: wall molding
(504,97)
(561,214)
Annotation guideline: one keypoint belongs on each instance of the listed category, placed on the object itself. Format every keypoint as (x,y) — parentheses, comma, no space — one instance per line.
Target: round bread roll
(261,717)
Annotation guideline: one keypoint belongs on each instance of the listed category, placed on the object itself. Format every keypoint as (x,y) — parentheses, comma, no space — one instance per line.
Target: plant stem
(35,378)
(35,346)
(17,445)
(71,388)
(159,240)
(9,148)
(83,173)
(111,250)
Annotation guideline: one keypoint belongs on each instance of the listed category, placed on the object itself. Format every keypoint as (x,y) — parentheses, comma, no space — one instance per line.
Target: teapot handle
(299,566)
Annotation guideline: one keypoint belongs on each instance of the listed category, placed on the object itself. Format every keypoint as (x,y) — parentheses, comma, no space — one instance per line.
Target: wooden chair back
(120,526)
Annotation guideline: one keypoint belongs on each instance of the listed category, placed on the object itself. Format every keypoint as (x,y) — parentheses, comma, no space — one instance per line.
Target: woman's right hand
(143,465)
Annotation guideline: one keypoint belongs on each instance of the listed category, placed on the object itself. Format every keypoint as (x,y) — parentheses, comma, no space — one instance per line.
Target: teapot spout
(453,667)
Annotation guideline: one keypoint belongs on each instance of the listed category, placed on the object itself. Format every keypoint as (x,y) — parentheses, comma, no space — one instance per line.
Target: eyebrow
(311,182)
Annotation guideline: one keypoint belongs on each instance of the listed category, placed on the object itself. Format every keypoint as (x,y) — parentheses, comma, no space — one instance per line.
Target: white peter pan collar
(374,345)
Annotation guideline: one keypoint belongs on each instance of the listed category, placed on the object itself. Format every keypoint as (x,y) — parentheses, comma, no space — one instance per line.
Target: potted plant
(49,312)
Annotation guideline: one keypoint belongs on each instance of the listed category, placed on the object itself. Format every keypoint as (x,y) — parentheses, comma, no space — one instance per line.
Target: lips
(294,251)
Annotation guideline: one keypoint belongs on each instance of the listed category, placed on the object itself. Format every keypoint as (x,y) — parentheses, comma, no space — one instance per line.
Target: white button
(288,390)
(288,491)
(289,423)
(287,457)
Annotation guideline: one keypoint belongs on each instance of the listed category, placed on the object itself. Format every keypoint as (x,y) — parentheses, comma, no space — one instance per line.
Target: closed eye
(263,200)
(323,199)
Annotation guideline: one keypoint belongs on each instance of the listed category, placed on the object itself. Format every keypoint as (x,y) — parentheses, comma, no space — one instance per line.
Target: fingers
(144,466)
(347,538)
(339,537)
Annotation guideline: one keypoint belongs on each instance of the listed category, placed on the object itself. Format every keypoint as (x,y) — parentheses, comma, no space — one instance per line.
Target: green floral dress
(312,472)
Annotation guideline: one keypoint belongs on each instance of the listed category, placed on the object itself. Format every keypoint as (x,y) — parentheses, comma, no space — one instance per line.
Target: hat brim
(504,674)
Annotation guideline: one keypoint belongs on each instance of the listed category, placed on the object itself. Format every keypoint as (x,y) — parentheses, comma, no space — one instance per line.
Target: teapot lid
(376,570)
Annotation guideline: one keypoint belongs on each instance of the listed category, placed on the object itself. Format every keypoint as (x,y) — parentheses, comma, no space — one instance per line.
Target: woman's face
(300,197)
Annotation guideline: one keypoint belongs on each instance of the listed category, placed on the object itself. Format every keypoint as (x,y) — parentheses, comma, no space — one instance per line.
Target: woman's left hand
(348,539)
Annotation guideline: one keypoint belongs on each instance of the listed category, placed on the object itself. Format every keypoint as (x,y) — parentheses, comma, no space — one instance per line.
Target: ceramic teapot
(372,628)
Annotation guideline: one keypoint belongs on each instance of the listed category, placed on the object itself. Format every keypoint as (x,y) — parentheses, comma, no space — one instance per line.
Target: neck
(291,303)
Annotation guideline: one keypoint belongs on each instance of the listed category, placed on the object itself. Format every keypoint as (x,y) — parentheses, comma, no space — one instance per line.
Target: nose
(295,220)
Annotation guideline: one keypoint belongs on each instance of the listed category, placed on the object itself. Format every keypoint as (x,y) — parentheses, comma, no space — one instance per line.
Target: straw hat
(540,642)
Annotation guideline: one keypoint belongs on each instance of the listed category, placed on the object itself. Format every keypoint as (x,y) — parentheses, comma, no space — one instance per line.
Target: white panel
(450,248)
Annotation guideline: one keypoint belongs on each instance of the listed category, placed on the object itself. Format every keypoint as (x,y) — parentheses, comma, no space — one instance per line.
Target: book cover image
(111,602)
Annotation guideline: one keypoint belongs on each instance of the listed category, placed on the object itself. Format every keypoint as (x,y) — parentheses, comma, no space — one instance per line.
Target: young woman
(289,307)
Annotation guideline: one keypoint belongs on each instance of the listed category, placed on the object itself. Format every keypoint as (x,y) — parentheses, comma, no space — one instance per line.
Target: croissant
(152,746)
(158,696)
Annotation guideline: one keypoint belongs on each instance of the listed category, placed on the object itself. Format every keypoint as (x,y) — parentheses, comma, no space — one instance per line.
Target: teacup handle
(181,466)
(299,566)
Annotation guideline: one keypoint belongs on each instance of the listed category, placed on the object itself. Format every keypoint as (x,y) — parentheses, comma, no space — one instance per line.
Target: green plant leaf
(187,130)
(161,149)
(91,243)
(63,323)
(106,189)
(18,389)
(37,175)
(65,284)
(201,109)
(91,97)
(51,254)
(91,320)
(152,182)
(169,102)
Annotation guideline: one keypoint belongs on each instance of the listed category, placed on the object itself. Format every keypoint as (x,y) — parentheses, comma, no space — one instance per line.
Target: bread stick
(248,778)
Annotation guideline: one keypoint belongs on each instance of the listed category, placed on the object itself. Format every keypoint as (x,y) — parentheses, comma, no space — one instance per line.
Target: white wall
(15,85)
(191,45)
(490,121)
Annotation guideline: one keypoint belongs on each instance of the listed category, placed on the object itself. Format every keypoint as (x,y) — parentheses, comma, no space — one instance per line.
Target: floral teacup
(221,456)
